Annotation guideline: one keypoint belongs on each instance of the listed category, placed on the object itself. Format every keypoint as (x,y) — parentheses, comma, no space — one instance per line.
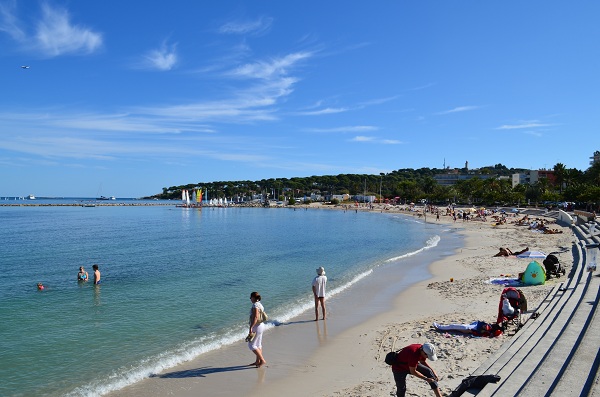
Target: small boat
(101,198)
(31,197)
(195,202)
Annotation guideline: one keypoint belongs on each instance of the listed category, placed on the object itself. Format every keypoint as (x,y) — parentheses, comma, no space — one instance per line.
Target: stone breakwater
(87,205)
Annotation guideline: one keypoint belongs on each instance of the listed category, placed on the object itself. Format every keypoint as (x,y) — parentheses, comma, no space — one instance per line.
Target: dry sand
(343,355)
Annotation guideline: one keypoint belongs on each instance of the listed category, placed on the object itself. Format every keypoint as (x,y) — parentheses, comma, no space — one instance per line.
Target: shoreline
(340,357)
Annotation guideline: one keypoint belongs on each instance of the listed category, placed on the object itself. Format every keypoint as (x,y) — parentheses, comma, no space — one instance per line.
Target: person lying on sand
(508,252)
(476,328)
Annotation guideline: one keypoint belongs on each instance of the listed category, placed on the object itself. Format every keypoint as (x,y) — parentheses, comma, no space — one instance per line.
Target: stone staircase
(557,352)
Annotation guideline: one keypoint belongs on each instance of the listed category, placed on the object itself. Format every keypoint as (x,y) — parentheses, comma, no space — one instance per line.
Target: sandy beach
(343,355)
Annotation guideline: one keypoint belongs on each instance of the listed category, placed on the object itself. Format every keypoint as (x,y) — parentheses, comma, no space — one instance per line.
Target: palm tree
(560,172)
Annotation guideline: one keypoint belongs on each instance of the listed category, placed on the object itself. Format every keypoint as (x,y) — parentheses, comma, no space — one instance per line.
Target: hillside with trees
(485,186)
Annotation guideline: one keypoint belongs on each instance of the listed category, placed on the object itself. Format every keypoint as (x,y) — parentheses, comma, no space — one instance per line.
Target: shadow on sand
(202,372)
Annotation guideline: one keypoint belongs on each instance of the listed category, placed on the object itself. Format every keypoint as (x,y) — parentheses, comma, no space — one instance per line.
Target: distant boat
(102,198)
(31,197)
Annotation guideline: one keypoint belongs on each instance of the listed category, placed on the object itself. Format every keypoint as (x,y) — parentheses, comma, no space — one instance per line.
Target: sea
(175,281)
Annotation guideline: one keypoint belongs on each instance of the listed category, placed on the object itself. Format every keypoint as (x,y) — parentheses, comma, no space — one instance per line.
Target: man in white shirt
(318,287)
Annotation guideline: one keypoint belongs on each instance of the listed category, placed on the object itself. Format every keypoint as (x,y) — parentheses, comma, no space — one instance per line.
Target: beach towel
(507,281)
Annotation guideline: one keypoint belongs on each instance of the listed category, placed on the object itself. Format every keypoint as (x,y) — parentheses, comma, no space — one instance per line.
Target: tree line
(486,186)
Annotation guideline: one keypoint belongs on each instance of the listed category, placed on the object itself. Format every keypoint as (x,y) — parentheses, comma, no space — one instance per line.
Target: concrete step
(562,349)
(536,349)
(586,357)
(513,353)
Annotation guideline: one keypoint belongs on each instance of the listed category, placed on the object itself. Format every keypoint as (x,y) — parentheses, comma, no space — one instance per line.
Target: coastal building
(452,178)
(340,197)
(532,177)
(364,199)
(595,158)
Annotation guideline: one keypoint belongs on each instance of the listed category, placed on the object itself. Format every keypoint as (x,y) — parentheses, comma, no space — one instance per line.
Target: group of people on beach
(82,276)
(258,317)
(411,360)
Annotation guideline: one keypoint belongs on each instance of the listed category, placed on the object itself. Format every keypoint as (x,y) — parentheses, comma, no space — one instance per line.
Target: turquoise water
(175,283)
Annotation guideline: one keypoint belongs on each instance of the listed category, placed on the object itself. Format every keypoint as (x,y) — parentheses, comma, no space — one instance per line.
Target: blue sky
(134,96)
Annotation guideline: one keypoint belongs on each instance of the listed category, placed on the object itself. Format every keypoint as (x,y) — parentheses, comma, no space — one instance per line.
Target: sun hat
(429,349)
(321,271)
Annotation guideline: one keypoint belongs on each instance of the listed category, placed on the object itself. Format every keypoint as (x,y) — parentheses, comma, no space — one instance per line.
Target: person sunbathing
(508,252)
(552,231)
(476,328)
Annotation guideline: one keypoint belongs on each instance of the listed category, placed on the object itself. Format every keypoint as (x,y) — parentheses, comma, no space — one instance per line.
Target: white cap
(429,349)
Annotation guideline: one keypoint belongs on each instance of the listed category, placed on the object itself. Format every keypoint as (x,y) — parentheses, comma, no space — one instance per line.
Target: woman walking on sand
(256,329)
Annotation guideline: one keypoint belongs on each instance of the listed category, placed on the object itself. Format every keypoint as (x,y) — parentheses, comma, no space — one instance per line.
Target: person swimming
(40,286)
(82,275)
(96,274)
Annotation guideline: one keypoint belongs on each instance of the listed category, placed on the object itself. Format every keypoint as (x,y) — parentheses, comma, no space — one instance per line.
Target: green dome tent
(535,274)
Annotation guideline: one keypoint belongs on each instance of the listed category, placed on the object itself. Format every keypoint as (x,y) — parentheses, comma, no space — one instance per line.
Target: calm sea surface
(175,283)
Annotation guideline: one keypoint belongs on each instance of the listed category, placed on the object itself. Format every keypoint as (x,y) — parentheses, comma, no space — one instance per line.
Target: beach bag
(474,382)
(390,358)
(263,318)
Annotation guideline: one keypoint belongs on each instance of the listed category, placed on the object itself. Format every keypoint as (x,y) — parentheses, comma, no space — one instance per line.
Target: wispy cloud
(379,101)
(362,139)
(270,82)
(9,23)
(54,34)
(534,133)
(422,87)
(351,128)
(254,27)
(272,68)
(372,139)
(527,124)
(163,58)
(459,109)
(323,111)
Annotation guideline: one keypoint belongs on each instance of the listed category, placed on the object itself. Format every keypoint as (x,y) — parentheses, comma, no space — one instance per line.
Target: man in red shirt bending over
(413,360)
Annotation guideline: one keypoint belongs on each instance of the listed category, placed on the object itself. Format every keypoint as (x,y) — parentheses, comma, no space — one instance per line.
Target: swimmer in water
(40,286)
(82,275)
(96,274)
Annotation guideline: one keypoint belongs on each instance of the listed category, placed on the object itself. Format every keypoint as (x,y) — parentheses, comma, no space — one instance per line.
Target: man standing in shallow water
(96,274)
(318,287)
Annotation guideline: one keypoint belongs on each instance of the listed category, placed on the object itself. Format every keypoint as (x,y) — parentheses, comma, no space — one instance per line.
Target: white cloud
(163,58)
(362,139)
(9,23)
(269,69)
(459,109)
(55,35)
(391,142)
(255,27)
(372,139)
(323,111)
(528,124)
(379,101)
(352,128)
